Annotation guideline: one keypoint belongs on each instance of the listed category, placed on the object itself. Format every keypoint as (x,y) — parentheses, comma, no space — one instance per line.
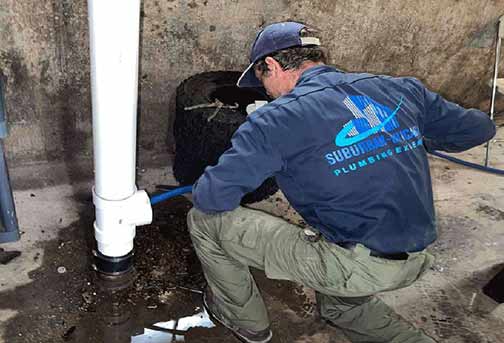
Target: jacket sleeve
(450,127)
(240,170)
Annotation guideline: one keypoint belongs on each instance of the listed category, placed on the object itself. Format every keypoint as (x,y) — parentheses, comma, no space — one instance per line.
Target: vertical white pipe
(114,27)
(500,37)
(114,40)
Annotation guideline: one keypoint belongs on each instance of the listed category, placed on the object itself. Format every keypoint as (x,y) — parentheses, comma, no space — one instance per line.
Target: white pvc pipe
(500,37)
(114,27)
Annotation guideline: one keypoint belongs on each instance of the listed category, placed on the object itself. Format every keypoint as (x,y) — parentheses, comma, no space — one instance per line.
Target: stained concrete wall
(449,44)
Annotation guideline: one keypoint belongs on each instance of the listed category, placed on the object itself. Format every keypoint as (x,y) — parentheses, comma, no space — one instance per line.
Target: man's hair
(293,58)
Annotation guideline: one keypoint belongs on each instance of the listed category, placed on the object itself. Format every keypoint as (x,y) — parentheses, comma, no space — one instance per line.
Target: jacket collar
(315,71)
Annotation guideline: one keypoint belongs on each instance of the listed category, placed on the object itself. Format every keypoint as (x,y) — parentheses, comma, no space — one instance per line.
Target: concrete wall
(449,44)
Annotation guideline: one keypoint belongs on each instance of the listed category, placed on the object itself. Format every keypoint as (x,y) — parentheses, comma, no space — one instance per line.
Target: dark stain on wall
(20,87)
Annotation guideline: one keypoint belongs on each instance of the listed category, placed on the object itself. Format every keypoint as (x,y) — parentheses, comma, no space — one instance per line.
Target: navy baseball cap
(272,38)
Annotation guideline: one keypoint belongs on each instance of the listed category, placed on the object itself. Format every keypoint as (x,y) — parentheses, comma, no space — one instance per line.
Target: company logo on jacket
(369,135)
(370,118)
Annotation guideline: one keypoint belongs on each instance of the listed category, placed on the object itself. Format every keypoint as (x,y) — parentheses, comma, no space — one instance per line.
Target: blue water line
(188,189)
(170,194)
(468,164)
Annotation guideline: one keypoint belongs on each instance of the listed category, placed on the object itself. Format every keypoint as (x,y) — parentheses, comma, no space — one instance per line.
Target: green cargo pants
(345,279)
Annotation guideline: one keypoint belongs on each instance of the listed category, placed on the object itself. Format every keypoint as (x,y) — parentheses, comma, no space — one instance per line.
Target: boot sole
(231,327)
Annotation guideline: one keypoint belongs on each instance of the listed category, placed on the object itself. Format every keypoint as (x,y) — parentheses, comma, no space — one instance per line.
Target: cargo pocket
(297,260)
(359,284)
(373,275)
(278,266)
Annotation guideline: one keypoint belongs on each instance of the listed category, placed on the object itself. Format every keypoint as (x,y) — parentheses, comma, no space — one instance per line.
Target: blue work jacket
(349,152)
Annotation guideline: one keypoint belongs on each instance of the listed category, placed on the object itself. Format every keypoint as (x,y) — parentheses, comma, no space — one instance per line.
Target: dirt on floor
(66,302)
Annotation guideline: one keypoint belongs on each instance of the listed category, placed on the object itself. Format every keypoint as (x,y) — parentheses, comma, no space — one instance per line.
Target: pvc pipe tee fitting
(116,221)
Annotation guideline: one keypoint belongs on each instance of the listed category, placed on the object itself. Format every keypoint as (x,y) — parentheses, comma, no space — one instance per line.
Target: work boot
(244,335)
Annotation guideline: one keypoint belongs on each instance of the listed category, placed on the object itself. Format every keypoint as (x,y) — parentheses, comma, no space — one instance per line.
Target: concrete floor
(447,303)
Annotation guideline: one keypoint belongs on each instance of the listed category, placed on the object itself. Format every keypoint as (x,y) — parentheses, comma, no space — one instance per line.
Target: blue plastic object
(469,164)
(170,194)
(9,229)
(3,120)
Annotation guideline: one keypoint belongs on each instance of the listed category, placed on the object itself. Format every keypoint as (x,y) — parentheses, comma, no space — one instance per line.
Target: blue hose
(188,189)
(173,193)
(468,164)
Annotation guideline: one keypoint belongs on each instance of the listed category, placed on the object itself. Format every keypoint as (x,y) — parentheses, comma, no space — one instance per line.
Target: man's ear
(273,65)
